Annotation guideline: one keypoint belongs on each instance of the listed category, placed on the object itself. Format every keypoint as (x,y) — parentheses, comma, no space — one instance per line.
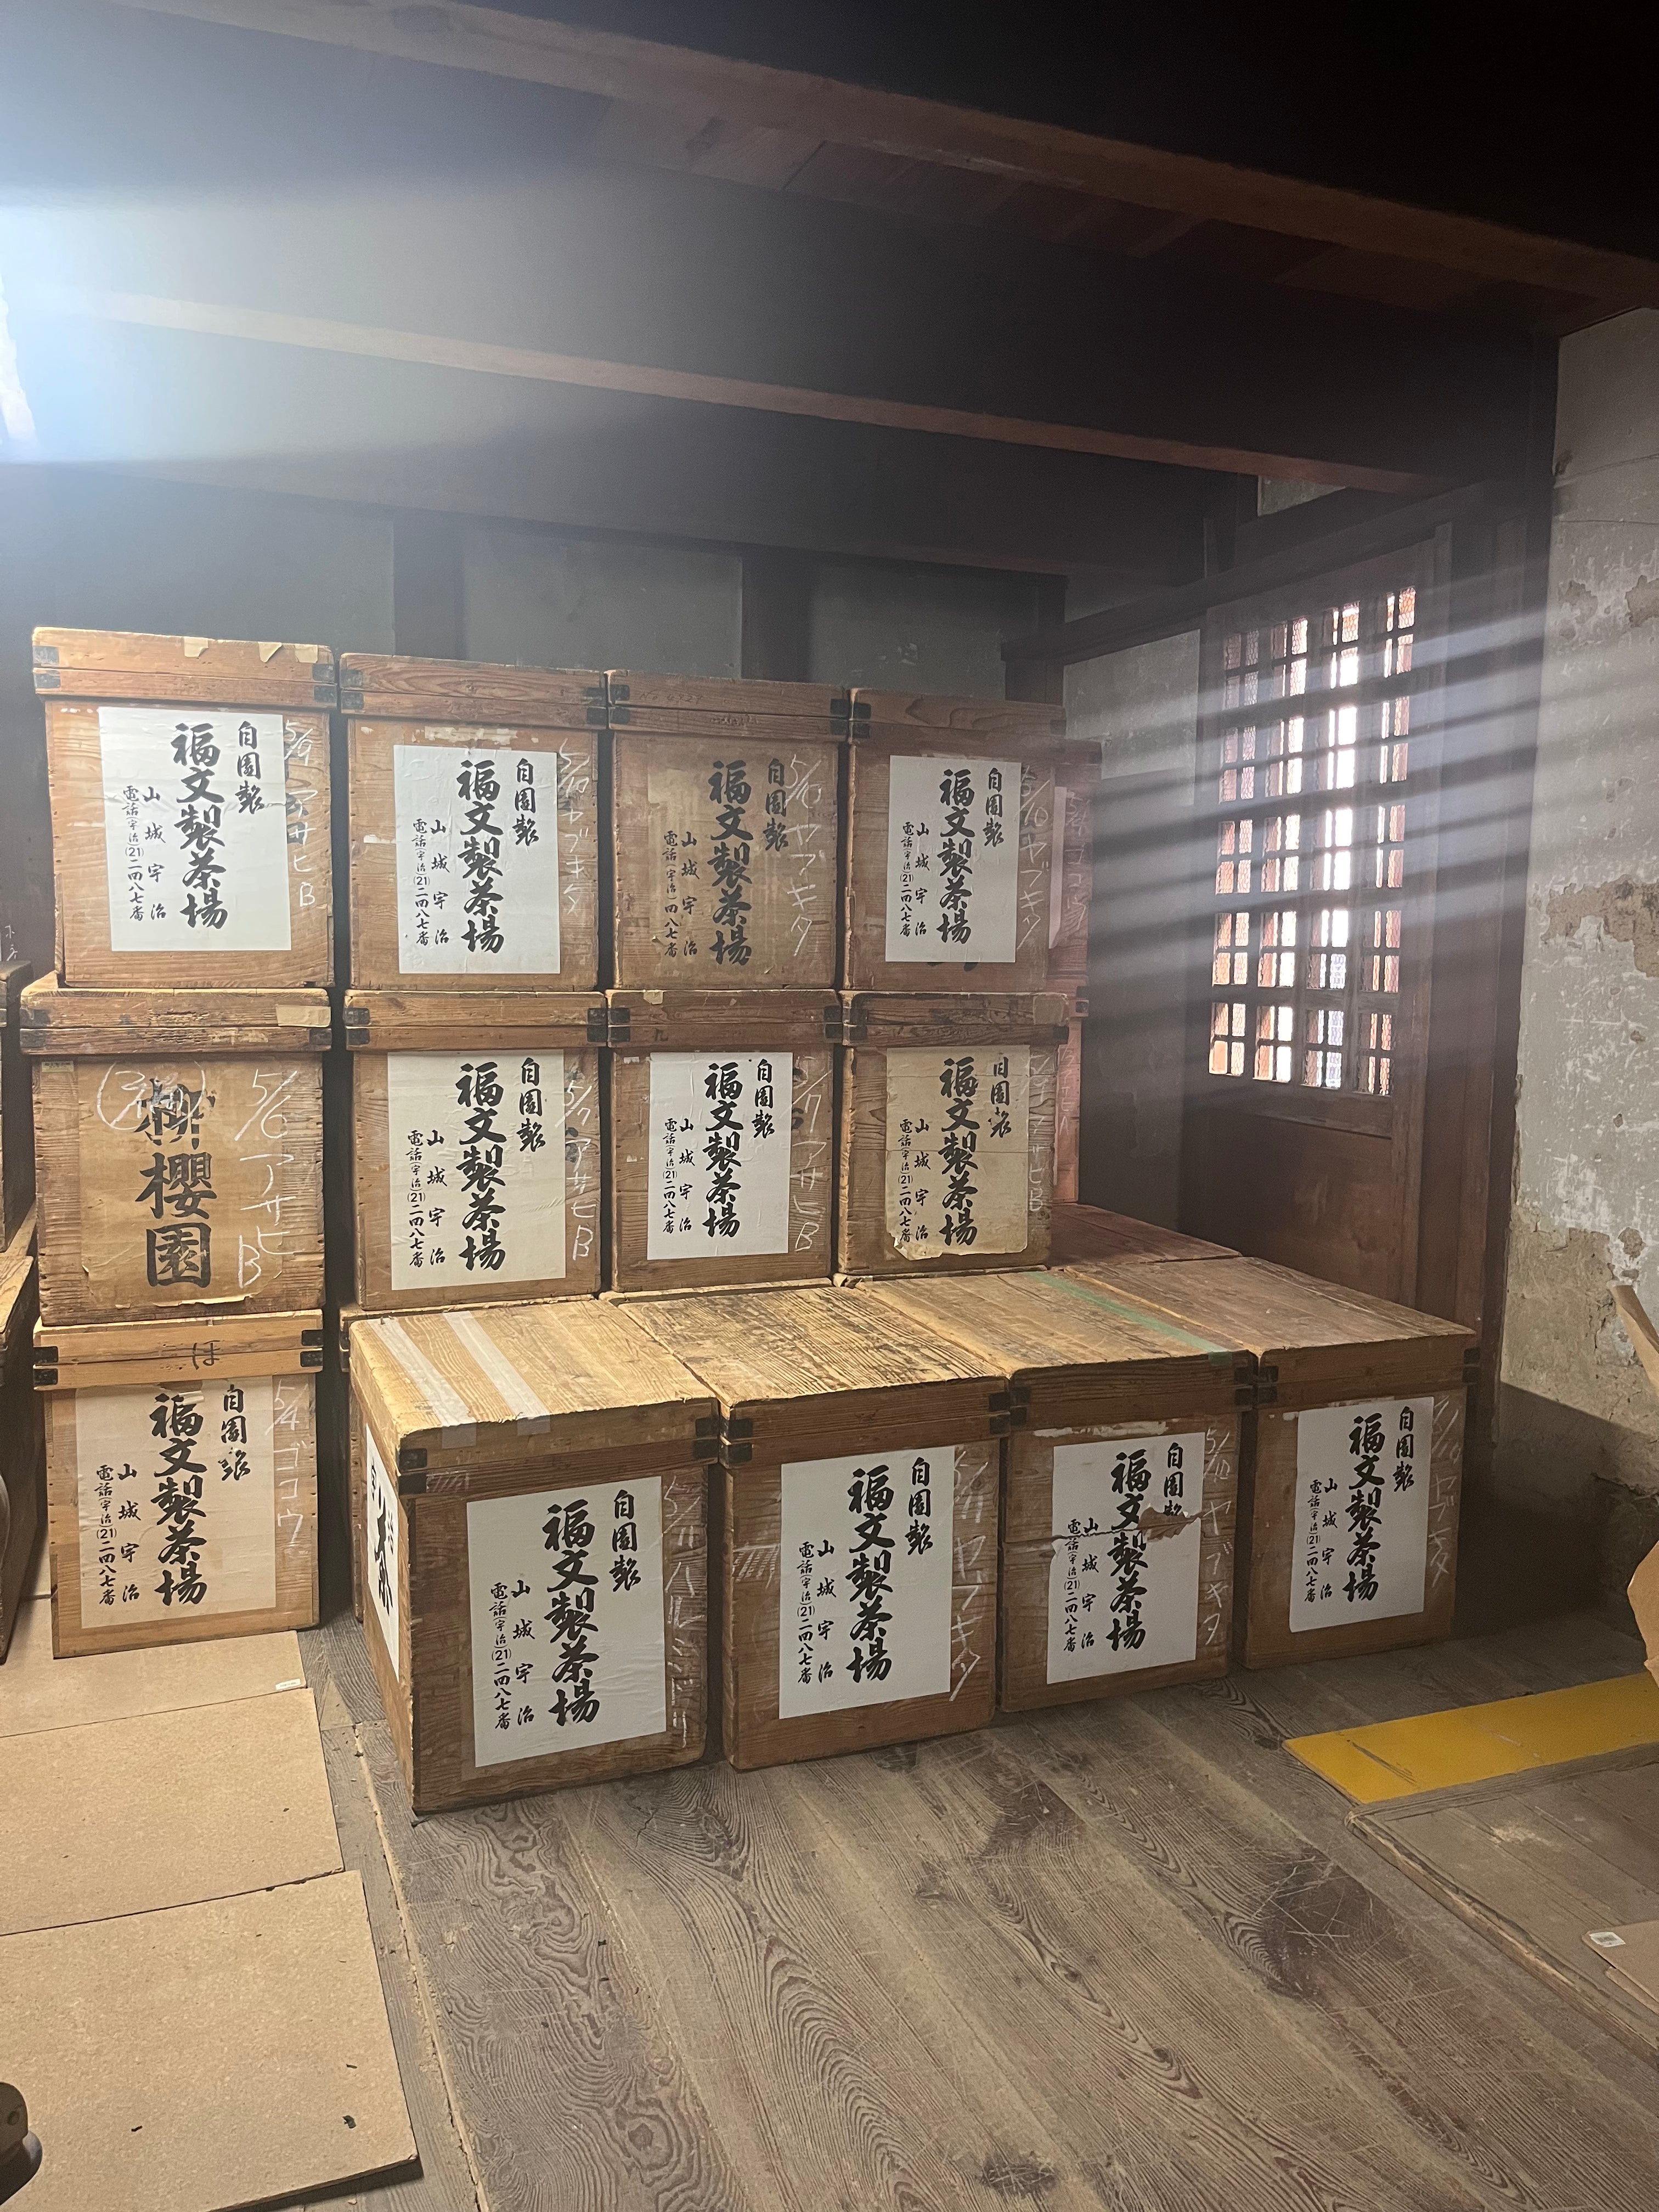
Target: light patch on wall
(16,418)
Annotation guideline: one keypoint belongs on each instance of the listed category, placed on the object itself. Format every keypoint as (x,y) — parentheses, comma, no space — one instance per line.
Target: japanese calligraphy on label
(1362,1512)
(176,1493)
(195,829)
(381,1543)
(952,858)
(568,1646)
(1123,1581)
(864,1594)
(740,869)
(475,1154)
(718,1159)
(478,859)
(958,1135)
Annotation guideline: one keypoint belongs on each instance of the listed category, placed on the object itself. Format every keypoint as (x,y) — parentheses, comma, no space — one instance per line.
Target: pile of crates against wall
(711,1049)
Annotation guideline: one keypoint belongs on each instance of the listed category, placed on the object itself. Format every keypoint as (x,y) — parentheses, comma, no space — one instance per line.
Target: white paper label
(476,1151)
(958,1142)
(1362,1512)
(1123,1584)
(718,1160)
(864,1593)
(177,1492)
(567,1636)
(477,860)
(380,1544)
(195,829)
(952,858)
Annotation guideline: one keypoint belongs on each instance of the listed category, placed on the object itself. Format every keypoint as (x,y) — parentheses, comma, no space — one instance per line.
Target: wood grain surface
(492,695)
(223,1154)
(96,1355)
(77,1627)
(115,665)
(1029,726)
(473,1016)
(374,1162)
(1081,1233)
(80,874)
(371,744)
(60,1021)
(16,1117)
(865,964)
(22,1428)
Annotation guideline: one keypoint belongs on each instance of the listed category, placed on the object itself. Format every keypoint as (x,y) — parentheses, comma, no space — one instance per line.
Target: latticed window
(1312,764)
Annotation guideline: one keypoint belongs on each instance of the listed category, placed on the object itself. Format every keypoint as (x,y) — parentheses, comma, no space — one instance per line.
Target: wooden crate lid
(725,1021)
(115,1355)
(474,1021)
(1090,1232)
(471,693)
(550,1387)
(892,1020)
(122,664)
(1069,1348)
(1027,729)
(726,706)
(17,1295)
(59,1021)
(816,1372)
(1314,1343)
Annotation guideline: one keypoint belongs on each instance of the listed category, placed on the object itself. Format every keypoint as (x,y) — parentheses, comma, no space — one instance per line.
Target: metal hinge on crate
(356,1028)
(599,1025)
(619,1025)
(1267,1386)
(844,1025)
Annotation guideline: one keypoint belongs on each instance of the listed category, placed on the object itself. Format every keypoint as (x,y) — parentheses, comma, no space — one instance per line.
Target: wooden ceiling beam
(701,85)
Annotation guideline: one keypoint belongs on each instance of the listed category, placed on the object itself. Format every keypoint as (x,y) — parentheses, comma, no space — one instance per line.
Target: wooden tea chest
(16,1108)
(856,1518)
(1120,1483)
(23,1431)
(950,843)
(726,849)
(190,808)
(474,824)
(947,1131)
(530,1493)
(1354,1469)
(1080,1233)
(181,1473)
(722,1137)
(179,1150)
(475,1145)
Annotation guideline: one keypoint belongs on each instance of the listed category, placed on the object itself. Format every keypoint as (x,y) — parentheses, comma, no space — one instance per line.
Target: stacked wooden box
(530,1518)
(22,1448)
(723,1009)
(1352,1466)
(951,1067)
(179,1132)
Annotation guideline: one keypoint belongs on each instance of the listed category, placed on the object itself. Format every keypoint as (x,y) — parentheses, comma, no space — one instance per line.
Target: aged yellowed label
(958,1137)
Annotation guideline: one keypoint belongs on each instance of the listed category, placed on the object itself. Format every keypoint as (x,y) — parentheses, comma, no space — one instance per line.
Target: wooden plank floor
(1126,1955)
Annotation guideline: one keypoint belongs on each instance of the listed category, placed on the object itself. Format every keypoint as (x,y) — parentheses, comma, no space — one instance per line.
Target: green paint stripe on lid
(1142,1318)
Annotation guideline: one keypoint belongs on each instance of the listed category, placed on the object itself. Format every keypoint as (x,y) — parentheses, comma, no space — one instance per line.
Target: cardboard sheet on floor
(39,1691)
(1632,1954)
(162,1809)
(210,2057)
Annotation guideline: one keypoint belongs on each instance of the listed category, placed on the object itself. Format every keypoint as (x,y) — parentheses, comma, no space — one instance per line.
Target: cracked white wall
(1575,1406)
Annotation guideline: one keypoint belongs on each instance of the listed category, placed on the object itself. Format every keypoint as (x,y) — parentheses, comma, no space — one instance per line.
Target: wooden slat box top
(103,664)
(110,1355)
(815,1371)
(400,687)
(1029,728)
(699,1021)
(1080,1233)
(893,1018)
(474,1020)
(477,1401)
(729,707)
(1312,1341)
(1073,1352)
(60,1021)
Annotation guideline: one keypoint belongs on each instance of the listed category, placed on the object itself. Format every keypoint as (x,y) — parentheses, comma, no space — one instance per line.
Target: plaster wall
(1578,1425)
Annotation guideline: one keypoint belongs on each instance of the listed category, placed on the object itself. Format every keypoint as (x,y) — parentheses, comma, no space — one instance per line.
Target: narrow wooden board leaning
(16,1114)
(189,805)
(474,824)
(22,1430)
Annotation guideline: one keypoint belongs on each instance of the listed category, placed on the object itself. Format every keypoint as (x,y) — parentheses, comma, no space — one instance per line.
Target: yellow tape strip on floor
(1399,1759)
